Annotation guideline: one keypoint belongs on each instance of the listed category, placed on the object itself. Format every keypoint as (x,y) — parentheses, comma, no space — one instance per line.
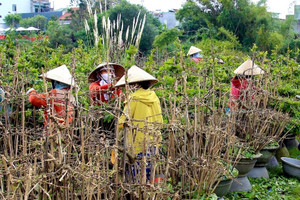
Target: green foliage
(272,144)
(130,52)
(30,58)
(277,187)
(12,19)
(166,37)
(294,153)
(239,20)
(37,21)
(230,36)
(130,11)
(59,35)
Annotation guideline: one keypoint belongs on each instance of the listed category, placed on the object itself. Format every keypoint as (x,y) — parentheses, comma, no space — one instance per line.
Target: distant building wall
(297,12)
(12,7)
(167,18)
(22,6)
(297,18)
(40,6)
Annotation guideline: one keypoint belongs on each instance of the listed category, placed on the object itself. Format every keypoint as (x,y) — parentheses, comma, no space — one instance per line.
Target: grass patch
(294,153)
(277,187)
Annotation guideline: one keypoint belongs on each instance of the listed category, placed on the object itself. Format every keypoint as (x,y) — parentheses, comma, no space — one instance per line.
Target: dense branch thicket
(74,161)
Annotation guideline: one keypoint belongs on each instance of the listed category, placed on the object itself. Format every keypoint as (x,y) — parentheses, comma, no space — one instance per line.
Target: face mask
(59,85)
(107,77)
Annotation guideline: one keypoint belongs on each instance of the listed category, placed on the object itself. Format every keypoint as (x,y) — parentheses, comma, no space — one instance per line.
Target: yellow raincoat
(144,109)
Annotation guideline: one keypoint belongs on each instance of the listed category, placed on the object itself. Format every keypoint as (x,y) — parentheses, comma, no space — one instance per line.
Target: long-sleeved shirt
(197,60)
(97,93)
(146,116)
(61,110)
(4,107)
(238,91)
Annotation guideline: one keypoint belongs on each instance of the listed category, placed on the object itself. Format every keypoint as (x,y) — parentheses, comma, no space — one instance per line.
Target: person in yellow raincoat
(142,114)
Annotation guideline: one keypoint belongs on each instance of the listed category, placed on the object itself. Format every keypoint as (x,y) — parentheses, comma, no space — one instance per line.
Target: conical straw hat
(61,74)
(119,71)
(136,74)
(247,68)
(193,50)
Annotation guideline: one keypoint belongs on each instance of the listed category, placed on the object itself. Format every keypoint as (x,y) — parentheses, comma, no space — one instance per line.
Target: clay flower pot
(291,167)
(290,141)
(244,166)
(260,169)
(223,187)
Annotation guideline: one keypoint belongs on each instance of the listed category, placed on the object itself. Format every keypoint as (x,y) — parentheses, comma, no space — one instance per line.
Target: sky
(60,3)
(283,7)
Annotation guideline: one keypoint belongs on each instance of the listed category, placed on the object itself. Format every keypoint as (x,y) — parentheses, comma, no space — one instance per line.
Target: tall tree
(250,22)
(59,35)
(128,12)
(12,20)
(37,21)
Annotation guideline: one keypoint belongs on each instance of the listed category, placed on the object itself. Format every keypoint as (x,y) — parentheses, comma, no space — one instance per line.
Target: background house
(167,18)
(22,6)
(67,16)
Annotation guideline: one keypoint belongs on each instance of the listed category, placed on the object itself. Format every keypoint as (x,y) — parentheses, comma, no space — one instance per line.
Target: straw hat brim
(61,74)
(193,50)
(119,71)
(135,75)
(248,68)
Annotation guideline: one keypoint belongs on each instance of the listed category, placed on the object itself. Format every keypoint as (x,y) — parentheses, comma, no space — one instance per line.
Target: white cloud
(163,5)
(283,7)
(60,3)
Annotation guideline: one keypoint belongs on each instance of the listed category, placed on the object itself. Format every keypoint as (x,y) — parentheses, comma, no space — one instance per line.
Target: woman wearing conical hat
(60,97)
(101,79)
(5,108)
(194,54)
(240,85)
(144,113)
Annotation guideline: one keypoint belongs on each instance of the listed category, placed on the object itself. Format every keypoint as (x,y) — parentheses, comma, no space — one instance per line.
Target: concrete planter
(291,167)
(273,162)
(267,154)
(291,142)
(260,169)
(223,187)
(244,166)
(240,184)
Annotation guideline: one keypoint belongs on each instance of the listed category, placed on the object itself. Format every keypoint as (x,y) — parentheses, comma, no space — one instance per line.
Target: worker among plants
(60,99)
(142,116)
(240,87)
(194,54)
(5,109)
(101,79)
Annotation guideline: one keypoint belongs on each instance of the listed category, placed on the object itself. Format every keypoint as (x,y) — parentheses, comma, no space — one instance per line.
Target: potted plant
(290,140)
(224,185)
(275,123)
(256,128)
(267,153)
(248,158)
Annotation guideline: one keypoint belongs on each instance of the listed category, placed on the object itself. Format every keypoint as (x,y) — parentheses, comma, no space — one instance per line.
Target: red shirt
(57,100)
(236,86)
(196,60)
(237,92)
(97,93)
